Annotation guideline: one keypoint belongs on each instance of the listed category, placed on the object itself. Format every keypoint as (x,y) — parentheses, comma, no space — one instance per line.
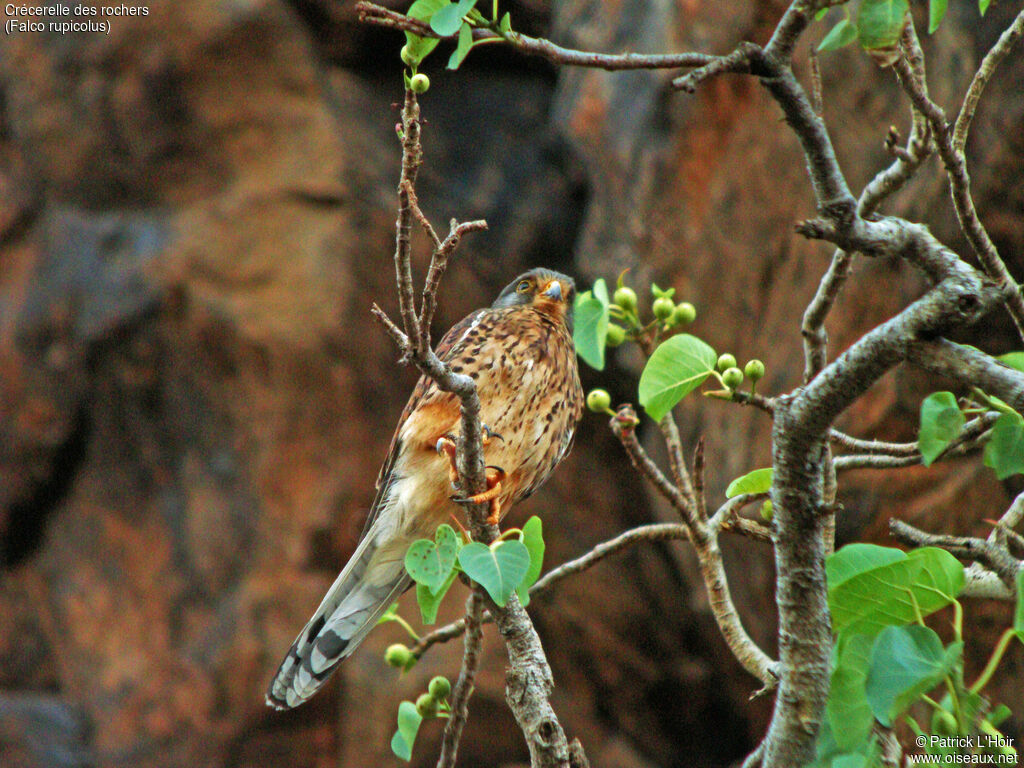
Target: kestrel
(520,353)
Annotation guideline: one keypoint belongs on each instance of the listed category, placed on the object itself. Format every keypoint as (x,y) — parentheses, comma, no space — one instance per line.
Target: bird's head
(551,292)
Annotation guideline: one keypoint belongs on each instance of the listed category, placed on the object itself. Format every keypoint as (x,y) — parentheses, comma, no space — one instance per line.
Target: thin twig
(372,13)
(960,189)
(985,71)
(463,689)
(1011,519)
(623,425)
(994,557)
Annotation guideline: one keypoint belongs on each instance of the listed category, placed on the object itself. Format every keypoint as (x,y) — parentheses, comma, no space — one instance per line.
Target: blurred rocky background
(196,213)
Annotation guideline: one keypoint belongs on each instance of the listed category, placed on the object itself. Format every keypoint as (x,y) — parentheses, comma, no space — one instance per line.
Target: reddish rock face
(196,214)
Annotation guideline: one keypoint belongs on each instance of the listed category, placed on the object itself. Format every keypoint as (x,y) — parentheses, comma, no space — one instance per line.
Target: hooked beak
(554,290)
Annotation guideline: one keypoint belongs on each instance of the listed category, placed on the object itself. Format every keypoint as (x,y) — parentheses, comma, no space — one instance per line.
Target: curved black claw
(490,434)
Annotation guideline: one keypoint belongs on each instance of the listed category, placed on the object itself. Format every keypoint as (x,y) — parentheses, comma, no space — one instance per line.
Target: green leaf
(842,34)
(821,13)
(533,538)
(906,662)
(429,601)
(420,46)
(463,48)
(941,422)
(1013,359)
(446,22)
(1004,452)
(848,711)
(872,587)
(936,13)
(506,24)
(758,481)
(591,325)
(1018,614)
(499,568)
(880,22)
(408,725)
(983,6)
(428,563)
(677,367)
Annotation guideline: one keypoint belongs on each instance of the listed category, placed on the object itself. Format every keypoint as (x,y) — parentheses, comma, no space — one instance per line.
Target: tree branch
(992,556)
(463,689)
(960,189)
(371,13)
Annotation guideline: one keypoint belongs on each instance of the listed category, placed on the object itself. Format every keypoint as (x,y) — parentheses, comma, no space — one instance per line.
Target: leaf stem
(993,661)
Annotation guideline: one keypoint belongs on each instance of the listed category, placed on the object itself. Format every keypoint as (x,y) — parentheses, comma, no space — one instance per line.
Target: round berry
(754,370)
(599,400)
(419,83)
(407,56)
(426,705)
(439,687)
(616,335)
(625,297)
(732,377)
(397,655)
(726,361)
(684,314)
(663,308)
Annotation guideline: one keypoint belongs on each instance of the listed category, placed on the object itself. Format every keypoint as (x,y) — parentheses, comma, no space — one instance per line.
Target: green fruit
(767,513)
(732,377)
(397,656)
(663,308)
(599,401)
(726,361)
(684,314)
(439,688)
(754,370)
(426,705)
(616,335)
(407,56)
(419,83)
(625,297)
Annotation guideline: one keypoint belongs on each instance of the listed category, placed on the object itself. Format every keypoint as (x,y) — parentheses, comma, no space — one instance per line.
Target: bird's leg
(446,447)
(492,494)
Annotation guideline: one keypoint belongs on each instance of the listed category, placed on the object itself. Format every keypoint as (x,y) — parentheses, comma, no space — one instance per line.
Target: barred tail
(370,582)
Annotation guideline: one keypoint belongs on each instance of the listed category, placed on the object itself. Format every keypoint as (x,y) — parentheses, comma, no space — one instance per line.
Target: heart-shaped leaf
(430,563)
(758,481)
(499,568)
(533,538)
(448,20)
(905,663)
(676,368)
(408,725)
(941,422)
(872,587)
(590,326)
(847,709)
(1004,453)
(880,22)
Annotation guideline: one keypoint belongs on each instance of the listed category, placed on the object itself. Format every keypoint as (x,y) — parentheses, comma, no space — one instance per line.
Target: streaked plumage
(520,352)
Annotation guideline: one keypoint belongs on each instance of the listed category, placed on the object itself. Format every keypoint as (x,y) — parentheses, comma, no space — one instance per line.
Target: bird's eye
(523,287)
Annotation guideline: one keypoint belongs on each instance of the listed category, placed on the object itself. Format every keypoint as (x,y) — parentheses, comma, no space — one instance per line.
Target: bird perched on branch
(520,353)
